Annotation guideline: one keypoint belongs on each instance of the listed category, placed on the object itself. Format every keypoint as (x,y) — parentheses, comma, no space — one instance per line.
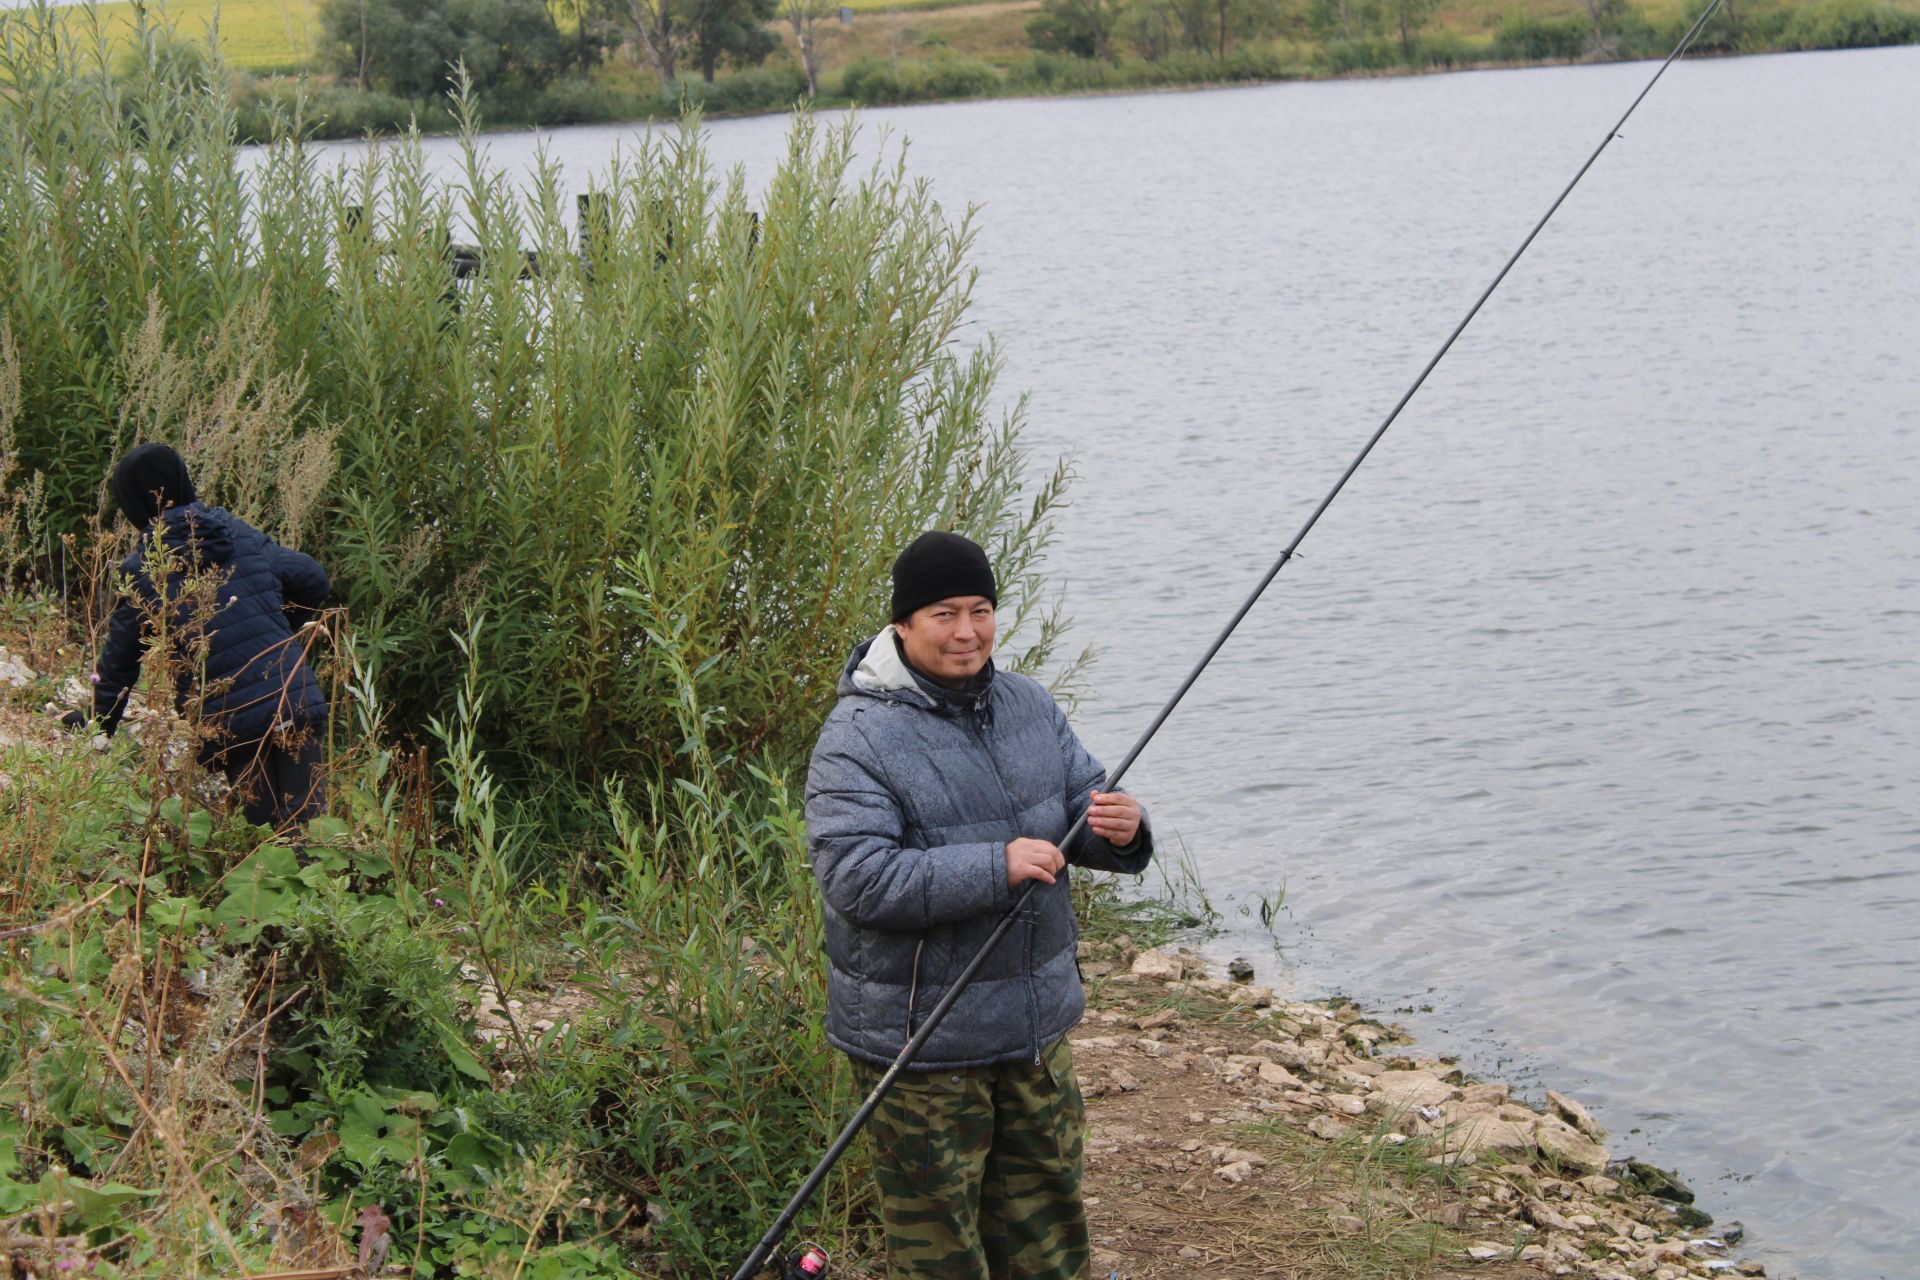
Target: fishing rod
(812,1262)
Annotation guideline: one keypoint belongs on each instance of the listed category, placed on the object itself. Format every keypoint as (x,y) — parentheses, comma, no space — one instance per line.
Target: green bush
(410,47)
(1064,73)
(1081,31)
(580,99)
(1344,57)
(1446,49)
(1523,38)
(711,430)
(764,89)
(953,75)
(946,75)
(1851,24)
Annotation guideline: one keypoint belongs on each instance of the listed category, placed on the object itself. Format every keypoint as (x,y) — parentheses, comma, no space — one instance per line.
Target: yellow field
(257,35)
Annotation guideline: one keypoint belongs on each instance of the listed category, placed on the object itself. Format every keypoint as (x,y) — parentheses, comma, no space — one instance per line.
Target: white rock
(1124,1080)
(1235,1173)
(1289,1055)
(1154,1048)
(1488,1133)
(1157,965)
(1486,1251)
(1346,1104)
(1407,1090)
(1576,1115)
(1326,1128)
(1540,1215)
(15,672)
(1274,1074)
(1568,1147)
(1233,1155)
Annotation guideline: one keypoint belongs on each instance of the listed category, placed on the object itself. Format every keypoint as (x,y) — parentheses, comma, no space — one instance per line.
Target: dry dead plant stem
(169,1139)
(60,920)
(533,1228)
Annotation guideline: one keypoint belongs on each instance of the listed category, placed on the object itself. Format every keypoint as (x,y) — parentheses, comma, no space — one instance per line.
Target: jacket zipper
(1033,1035)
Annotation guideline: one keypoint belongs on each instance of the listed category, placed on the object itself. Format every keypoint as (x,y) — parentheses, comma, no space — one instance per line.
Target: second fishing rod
(813,1262)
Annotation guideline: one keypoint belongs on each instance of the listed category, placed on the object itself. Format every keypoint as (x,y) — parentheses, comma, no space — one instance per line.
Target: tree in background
(1343,19)
(590,30)
(1410,16)
(733,30)
(804,16)
(1195,20)
(1235,21)
(1084,28)
(709,31)
(1207,28)
(410,47)
(660,30)
(1149,28)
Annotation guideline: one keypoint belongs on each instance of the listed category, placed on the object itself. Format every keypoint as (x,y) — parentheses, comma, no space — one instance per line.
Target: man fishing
(939,787)
(237,657)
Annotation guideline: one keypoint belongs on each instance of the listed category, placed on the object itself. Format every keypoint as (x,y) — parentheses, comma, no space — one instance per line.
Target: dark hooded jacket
(912,796)
(254,674)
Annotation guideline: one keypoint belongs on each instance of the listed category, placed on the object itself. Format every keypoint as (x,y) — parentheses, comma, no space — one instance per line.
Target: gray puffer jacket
(912,797)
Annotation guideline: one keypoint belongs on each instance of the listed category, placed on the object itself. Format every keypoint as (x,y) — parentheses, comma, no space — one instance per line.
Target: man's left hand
(1114,817)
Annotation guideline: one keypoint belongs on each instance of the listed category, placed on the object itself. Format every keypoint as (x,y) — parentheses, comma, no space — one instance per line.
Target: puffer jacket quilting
(254,675)
(912,796)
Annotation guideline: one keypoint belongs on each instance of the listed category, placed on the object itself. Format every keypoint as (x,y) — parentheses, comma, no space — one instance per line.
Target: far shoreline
(825,105)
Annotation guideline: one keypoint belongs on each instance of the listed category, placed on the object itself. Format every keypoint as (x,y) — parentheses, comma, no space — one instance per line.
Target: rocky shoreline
(1513,1184)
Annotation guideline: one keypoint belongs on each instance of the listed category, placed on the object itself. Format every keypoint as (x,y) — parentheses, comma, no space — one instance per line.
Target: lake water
(1587,728)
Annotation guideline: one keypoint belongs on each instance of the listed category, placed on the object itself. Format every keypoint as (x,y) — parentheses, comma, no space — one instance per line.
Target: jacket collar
(878,669)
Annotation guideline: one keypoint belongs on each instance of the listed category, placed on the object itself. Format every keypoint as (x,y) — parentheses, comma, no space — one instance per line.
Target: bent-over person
(938,788)
(262,712)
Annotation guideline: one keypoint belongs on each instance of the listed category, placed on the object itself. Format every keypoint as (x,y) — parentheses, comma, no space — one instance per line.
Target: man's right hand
(1029,859)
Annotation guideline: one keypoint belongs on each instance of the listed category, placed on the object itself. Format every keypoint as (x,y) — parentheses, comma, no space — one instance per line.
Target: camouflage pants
(979,1171)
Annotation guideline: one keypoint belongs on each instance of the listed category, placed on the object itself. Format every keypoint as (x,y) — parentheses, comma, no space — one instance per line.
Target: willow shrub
(713,426)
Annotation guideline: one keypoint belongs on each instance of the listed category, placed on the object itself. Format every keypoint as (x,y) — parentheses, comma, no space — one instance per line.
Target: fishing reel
(809,1262)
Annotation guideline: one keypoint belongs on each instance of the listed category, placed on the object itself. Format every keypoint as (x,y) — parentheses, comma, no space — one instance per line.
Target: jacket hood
(876,670)
(149,479)
(198,534)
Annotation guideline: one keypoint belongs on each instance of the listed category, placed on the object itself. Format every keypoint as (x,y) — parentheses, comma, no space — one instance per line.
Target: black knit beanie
(938,566)
(146,470)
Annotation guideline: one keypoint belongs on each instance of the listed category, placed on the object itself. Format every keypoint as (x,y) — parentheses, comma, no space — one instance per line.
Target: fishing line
(771,1240)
